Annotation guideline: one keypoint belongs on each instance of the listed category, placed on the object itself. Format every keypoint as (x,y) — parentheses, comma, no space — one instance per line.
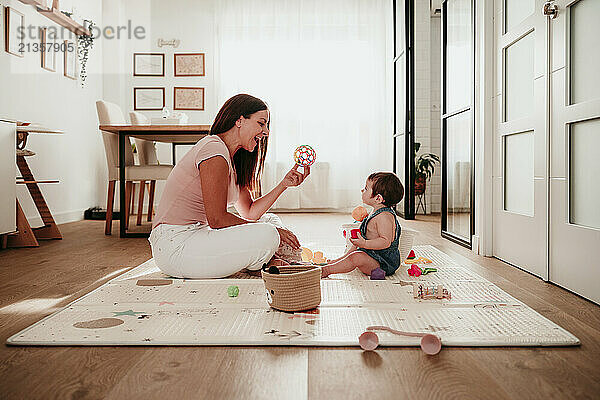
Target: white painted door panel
(575,148)
(520,197)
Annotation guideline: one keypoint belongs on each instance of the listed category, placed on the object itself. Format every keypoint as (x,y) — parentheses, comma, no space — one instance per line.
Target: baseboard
(60,218)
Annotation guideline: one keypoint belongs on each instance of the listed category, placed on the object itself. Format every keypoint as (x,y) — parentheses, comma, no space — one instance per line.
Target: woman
(193,235)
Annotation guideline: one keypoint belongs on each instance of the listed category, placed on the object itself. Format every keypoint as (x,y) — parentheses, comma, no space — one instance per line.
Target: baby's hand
(360,241)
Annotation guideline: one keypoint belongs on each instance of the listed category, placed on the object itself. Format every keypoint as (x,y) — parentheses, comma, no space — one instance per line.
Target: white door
(520,197)
(575,148)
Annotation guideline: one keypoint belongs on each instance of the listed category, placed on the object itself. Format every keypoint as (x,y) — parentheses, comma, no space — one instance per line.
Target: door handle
(551,10)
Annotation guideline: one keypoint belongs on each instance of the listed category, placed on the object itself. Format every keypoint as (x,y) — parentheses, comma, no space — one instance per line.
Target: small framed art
(189,64)
(70,59)
(48,50)
(14,26)
(188,98)
(148,98)
(148,64)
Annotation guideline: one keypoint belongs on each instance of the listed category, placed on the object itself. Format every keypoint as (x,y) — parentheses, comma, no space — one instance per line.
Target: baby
(377,242)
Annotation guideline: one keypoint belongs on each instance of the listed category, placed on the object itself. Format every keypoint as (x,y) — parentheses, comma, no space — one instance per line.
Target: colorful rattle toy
(305,156)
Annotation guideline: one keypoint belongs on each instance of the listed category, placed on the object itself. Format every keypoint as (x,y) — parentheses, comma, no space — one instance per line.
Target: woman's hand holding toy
(293,177)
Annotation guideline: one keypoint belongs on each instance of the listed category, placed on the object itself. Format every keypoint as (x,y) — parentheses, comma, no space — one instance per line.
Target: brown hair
(248,165)
(388,186)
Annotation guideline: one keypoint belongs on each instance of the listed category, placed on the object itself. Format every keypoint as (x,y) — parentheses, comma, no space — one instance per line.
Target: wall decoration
(188,98)
(84,45)
(172,42)
(148,64)
(148,98)
(189,64)
(48,49)
(70,59)
(14,22)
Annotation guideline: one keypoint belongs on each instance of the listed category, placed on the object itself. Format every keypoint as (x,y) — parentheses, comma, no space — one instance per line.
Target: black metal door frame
(451,113)
(408,212)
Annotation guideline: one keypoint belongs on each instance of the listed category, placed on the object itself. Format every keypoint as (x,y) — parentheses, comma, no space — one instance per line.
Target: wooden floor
(37,282)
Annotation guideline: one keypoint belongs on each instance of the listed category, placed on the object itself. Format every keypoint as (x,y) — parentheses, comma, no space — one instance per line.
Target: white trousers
(197,251)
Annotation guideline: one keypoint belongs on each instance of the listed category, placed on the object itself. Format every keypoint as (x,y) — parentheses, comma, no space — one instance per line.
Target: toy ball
(359,213)
(305,156)
(233,291)
(377,274)
(368,340)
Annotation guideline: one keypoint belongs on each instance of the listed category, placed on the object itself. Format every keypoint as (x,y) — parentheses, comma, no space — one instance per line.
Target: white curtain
(323,66)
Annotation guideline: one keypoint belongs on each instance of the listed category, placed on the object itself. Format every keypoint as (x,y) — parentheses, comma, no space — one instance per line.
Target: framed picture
(70,59)
(188,98)
(148,64)
(14,28)
(189,64)
(48,50)
(148,98)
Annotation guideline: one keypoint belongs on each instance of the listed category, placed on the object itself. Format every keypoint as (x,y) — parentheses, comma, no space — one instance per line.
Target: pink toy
(430,344)
(414,270)
(354,233)
(377,274)
(421,291)
(305,156)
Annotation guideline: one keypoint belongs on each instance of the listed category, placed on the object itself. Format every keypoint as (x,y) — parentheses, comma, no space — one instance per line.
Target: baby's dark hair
(388,186)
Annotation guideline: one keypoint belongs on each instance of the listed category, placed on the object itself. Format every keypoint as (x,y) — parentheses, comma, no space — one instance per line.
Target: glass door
(457,121)
(403,104)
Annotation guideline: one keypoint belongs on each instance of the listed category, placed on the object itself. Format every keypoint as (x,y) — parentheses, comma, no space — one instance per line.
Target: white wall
(30,93)
(191,22)
(435,185)
(423,83)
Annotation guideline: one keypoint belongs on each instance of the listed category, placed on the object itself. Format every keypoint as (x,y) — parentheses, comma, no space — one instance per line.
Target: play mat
(145,307)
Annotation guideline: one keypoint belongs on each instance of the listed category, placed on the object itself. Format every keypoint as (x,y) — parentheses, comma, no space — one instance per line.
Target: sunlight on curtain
(323,68)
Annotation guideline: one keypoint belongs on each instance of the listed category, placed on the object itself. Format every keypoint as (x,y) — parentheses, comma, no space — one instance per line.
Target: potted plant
(424,169)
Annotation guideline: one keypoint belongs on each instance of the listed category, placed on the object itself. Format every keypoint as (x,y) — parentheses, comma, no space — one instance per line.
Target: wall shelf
(53,13)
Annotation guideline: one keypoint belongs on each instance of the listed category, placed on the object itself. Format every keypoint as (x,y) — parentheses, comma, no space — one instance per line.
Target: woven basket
(295,288)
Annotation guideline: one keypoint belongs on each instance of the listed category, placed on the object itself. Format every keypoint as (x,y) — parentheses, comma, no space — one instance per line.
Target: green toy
(233,291)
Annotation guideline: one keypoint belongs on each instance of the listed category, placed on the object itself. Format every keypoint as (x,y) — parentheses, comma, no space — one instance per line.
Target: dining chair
(146,151)
(111,114)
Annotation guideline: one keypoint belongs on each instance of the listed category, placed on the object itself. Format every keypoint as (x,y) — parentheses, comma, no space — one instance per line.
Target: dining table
(174,134)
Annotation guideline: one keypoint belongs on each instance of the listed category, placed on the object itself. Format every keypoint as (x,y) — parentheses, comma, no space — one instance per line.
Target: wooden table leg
(50,229)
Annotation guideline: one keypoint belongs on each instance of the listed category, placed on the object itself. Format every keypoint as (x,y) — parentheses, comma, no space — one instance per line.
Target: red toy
(414,270)
(411,255)
(354,233)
